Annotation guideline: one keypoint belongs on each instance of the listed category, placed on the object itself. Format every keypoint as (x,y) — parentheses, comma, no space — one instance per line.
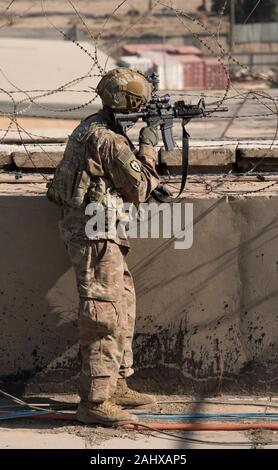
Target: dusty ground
(108,18)
(27,13)
(70,435)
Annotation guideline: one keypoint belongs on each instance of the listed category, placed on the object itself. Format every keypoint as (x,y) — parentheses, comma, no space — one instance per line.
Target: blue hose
(21,414)
(14,414)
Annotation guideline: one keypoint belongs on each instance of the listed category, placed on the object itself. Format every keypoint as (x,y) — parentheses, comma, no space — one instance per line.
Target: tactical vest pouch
(53,195)
(71,181)
(80,188)
(69,187)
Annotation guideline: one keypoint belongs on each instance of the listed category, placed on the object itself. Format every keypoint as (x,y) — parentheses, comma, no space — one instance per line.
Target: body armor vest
(71,180)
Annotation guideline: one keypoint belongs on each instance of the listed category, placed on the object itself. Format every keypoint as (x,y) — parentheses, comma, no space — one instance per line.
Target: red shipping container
(193,71)
(215,76)
(188,50)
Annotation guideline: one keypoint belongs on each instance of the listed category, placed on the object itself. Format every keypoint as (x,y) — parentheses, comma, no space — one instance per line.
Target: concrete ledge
(202,154)
(31,156)
(6,154)
(48,156)
(262,155)
(44,156)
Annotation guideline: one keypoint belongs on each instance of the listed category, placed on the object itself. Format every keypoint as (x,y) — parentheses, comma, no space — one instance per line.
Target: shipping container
(179,68)
(188,50)
(216,77)
(170,71)
(144,64)
(193,71)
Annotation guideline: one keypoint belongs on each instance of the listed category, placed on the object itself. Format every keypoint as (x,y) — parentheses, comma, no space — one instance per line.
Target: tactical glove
(148,135)
(161,193)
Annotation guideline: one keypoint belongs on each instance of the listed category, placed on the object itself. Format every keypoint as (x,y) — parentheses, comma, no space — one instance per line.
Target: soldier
(100,166)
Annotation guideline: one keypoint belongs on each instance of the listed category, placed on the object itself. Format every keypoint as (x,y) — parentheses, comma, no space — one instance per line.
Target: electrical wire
(21,402)
(201,441)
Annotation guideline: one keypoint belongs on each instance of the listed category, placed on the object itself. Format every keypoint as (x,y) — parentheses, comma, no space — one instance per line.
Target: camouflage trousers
(106,315)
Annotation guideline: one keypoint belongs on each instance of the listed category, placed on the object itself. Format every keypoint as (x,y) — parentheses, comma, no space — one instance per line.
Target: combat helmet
(123,89)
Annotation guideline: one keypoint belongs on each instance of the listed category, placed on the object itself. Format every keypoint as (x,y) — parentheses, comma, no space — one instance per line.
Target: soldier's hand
(148,135)
(161,193)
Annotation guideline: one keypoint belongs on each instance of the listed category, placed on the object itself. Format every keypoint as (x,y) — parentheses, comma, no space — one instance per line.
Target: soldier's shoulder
(92,125)
(97,132)
(104,135)
(102,130)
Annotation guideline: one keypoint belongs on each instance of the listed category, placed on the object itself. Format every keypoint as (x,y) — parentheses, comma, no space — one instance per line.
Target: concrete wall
(207,316)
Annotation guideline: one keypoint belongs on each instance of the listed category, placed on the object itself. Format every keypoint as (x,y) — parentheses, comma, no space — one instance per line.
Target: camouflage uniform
(105,285)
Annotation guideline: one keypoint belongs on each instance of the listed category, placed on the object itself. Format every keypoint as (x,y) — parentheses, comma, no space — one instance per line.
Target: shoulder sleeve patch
(80,132)
(125,155)
(135,166)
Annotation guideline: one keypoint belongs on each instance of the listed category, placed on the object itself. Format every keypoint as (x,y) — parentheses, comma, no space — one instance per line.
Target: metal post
(232,25)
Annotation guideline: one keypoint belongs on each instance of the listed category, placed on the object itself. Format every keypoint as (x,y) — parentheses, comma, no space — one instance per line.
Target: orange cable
(167,426)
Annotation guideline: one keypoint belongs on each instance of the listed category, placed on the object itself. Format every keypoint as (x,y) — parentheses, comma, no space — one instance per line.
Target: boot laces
(130,392)
(109,407)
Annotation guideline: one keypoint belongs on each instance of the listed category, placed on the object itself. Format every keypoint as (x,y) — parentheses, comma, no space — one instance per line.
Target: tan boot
(125,396)
(106,413)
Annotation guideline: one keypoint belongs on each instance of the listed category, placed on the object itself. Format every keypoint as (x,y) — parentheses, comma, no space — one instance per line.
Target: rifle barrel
(216,110)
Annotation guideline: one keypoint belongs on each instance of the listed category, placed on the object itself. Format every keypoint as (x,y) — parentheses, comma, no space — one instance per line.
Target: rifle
(159,112)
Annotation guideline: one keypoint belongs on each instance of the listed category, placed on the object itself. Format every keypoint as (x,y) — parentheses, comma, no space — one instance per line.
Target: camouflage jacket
(117,176)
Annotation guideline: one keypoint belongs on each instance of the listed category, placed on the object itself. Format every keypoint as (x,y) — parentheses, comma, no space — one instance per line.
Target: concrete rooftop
(54,434)
(32,64)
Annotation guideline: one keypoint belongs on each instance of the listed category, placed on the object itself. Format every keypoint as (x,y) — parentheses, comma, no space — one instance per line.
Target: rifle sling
(185,159)
(185,154)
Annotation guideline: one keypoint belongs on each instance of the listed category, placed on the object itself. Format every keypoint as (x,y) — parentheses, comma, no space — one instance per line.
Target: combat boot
(125,396)
(106,413)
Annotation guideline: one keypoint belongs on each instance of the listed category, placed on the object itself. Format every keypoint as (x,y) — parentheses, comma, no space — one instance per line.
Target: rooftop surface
(36,434)
(40,67)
